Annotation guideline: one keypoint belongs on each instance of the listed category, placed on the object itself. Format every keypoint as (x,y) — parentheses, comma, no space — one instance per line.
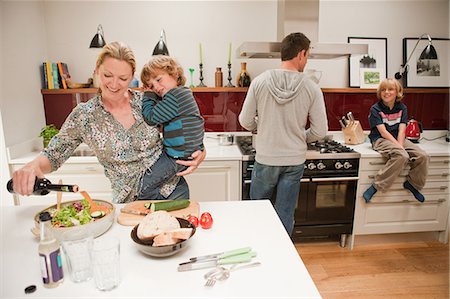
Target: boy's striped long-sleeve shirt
(183,126)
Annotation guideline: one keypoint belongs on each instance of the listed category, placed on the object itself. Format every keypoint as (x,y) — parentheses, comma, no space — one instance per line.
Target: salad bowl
(94,226)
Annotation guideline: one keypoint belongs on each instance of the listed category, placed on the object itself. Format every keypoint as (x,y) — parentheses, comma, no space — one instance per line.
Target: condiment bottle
(219,77)
(49,254)
(44,186)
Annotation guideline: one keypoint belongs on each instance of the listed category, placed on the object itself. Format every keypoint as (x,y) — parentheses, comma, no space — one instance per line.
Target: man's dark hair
(293,44)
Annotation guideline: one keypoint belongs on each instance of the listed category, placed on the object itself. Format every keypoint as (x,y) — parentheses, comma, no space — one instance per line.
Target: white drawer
(434,174)
(430,188)
(377,163)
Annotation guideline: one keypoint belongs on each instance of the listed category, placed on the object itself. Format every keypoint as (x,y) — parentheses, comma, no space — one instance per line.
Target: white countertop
(430,142)
(236,224)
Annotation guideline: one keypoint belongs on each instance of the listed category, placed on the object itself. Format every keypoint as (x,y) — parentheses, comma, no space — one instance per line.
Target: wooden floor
(402,270)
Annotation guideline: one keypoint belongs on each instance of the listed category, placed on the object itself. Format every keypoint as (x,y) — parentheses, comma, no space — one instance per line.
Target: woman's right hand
(25,177)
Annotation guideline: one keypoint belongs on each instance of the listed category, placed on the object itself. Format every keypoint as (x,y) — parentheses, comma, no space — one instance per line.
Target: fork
(214,275)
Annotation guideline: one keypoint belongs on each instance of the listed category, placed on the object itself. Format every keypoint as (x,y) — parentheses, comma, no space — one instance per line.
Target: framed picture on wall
(370,77)
(426,72)
(376,58)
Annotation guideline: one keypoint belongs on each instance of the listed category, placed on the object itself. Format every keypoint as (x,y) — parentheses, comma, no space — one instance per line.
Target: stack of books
(54,75)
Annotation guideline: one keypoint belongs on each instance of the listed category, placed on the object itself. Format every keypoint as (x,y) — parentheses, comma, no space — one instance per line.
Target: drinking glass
(106,263)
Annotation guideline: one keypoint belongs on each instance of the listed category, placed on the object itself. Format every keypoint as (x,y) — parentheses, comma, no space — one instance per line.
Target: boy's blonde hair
(117,50)
(390,82)
(164,63)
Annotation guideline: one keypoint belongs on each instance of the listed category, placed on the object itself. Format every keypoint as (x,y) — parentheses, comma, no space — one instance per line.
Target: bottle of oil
(44,186)
(49,254)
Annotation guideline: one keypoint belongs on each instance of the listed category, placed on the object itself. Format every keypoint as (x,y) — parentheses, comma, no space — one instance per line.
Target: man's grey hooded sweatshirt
(278,104)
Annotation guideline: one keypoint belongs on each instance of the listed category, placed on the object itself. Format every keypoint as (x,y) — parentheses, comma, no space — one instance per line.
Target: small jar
(219,77)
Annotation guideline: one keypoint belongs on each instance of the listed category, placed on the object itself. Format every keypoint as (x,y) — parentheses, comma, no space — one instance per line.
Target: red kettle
(413,130)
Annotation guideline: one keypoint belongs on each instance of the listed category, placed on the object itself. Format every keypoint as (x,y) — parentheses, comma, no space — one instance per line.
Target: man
(279,103)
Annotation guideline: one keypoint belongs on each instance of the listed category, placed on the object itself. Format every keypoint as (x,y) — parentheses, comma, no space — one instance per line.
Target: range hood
(318,50)
(299,16)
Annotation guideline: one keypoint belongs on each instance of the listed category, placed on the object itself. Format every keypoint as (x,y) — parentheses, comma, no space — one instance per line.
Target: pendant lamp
(161,46)
(98,41)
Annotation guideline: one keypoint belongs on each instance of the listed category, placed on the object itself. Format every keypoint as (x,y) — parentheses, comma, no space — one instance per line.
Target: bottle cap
(30,289)
(45,216)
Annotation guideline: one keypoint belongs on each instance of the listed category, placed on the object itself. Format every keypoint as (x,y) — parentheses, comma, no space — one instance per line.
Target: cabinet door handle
(377,163)
(90,168)
(445,162)
(441,199)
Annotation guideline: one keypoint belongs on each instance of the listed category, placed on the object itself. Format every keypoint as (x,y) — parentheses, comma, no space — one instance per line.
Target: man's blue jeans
(287,181)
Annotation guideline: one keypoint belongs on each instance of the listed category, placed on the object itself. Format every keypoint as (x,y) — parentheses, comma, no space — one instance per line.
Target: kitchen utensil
(132,213)
(235,259)
(93,206)
(353,133)
(225,139)
(344,120)
(342,124)
(222,273)
(58,197)
(162,251)
(221,255)
(96,228)
(413,130)
(350,116)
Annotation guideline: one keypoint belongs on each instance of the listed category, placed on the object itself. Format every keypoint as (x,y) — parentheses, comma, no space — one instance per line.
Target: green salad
(78,213)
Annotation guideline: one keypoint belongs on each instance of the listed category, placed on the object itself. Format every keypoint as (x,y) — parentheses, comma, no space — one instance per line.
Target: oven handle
(334,179)
(247,181)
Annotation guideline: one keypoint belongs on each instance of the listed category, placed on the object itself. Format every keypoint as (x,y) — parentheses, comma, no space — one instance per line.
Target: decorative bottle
(49,254)
(243,78)
(219,77)
(44,186)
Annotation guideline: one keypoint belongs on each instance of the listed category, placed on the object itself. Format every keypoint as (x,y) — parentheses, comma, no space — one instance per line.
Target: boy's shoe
(419,196)
(369,193)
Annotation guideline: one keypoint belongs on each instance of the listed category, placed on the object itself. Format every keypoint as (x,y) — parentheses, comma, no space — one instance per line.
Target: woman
(111,124)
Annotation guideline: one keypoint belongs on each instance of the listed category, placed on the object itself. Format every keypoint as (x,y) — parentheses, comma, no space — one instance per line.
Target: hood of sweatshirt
(284,85)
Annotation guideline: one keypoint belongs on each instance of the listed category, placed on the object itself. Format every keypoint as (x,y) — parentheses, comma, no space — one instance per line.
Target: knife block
(353,133)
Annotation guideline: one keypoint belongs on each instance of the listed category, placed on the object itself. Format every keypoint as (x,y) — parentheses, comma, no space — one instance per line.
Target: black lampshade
(161,47)
(429,52)
(98,41)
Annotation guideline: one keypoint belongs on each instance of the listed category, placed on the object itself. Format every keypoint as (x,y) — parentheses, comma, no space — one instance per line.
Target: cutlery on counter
(235,259)
(219,255)
(222,273)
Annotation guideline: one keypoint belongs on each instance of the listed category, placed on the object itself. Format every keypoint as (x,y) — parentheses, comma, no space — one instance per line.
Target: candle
(200,44)
(229,54)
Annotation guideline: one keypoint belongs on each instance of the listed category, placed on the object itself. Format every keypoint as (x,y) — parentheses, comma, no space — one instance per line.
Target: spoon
(94,207)
(58,197)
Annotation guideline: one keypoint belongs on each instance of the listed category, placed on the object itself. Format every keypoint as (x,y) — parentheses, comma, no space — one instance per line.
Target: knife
(135,212)
(235,259)
(220,255)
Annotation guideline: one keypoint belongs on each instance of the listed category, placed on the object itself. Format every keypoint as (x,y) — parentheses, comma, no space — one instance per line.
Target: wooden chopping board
(128,219)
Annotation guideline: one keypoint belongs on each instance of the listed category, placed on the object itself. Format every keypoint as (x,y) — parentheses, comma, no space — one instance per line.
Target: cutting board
(138,205)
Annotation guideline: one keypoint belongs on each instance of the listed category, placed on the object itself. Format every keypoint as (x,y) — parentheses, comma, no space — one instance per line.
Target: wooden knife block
(353,133)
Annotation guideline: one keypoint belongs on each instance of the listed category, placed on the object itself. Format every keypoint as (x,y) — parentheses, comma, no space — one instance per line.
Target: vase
(219,77)
(243,78)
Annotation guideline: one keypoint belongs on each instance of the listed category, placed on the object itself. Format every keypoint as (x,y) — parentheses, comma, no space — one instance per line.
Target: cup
(106,263)
(77,252)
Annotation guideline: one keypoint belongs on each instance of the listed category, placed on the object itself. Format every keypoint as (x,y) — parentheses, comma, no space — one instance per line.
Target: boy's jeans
(163,169)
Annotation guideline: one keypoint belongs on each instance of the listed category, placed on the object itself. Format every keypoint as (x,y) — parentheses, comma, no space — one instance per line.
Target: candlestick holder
(229,76)
(201,84)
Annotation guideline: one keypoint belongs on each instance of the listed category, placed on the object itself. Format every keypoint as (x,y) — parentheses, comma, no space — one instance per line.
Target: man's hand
(198,156)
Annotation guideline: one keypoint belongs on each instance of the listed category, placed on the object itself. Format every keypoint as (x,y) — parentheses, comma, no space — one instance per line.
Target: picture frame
(370,77)
(375,58)
(429,73)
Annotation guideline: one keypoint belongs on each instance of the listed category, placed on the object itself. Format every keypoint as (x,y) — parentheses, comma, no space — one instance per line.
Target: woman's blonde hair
(390,82)
(117,50)
(164,63)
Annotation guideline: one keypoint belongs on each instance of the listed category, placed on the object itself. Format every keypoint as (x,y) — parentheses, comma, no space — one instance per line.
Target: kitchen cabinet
(212,181)
(216,181)
(396,210)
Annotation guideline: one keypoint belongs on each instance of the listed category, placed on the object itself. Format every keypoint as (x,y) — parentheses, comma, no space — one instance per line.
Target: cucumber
(98,214)
(169,205)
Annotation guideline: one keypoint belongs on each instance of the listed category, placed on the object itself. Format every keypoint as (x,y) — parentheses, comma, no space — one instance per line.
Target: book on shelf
(44,75)
(65,72)
(61,75)
(55,75)
(48,68)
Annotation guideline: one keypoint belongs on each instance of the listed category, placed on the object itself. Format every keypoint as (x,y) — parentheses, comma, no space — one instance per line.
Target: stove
(327,196)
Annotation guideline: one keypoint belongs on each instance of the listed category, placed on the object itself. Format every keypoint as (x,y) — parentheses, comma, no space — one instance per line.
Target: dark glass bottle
(44,186)
(243,78)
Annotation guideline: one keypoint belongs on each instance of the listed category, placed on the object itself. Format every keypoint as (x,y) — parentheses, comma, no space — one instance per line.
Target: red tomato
(206,220)
(194,220)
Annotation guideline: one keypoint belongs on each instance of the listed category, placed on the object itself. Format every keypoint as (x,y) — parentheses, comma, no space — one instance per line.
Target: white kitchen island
(236,224)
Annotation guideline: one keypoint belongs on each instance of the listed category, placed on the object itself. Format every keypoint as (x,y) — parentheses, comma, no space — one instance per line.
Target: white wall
(35,31)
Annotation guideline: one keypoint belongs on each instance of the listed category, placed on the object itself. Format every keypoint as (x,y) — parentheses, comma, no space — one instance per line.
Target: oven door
(325,201)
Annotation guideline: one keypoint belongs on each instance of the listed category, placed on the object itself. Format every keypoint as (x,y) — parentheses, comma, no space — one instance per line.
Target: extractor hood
(299,16)
(318,50)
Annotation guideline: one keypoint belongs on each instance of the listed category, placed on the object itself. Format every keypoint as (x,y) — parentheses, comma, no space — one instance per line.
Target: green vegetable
(168,205)
(68,216)
(98,214)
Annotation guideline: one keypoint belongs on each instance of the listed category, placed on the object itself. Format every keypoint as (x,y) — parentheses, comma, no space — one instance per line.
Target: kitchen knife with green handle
(234,259)
(220,255)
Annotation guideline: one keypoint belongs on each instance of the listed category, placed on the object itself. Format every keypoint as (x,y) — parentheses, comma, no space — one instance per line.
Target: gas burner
(329,147)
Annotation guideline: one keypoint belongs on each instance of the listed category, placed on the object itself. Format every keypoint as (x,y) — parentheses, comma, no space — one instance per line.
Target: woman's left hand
(198,156)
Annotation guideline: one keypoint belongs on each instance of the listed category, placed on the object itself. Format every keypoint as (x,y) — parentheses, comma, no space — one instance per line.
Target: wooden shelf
(244,89)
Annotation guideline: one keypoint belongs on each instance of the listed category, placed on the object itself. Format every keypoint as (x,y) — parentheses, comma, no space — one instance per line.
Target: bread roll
(156,223)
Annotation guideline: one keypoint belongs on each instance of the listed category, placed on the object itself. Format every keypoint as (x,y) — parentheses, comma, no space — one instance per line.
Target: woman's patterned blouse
(124,154)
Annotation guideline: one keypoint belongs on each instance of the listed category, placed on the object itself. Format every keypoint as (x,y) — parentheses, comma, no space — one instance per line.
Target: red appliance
(413,130)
